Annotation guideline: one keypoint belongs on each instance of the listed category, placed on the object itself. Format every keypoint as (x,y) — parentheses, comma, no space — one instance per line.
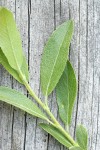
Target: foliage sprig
(56,72)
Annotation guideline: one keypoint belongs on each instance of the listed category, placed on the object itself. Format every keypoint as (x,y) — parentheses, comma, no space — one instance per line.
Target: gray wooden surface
(36,19)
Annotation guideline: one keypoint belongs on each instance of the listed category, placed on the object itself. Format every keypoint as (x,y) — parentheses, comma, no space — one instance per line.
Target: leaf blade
(5,64)
(55,51)
(75,148)
(66,90)
(82,137)
(24,68)
(13,72)
(19,100)
(10,42)
(56,134)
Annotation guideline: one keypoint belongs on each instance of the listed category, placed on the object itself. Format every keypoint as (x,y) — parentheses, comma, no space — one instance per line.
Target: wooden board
(36,19)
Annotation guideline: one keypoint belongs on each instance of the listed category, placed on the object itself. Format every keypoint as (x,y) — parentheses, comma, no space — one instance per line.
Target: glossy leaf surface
(55,56)
(19,100)
(66,90)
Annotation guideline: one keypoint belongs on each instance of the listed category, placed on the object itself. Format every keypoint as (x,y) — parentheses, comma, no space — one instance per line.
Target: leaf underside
(19,100)
(66,90)
(5,64)
(55,57)
(56,134)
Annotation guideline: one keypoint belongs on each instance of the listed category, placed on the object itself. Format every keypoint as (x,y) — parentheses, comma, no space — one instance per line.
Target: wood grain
(36,20)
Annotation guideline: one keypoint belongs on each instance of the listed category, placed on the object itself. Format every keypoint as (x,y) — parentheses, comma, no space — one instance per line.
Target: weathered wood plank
(19,117)
(6,111)
(36,20)
(94,49)
(88,77)
(41,19)
(74,52)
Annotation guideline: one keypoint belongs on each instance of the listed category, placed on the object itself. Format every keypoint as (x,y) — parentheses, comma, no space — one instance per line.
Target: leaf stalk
(47,110)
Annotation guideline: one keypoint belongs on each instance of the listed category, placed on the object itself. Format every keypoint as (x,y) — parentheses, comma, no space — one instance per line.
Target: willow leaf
(19,100)
(75,148)
(24,68)
(66,92)
(55,56)
(82,136)
(4,62)
(56,134)
(10,41)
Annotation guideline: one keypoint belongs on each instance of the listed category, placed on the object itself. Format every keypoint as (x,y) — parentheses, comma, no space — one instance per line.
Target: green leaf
(4,62)
(19,100)
(55,56)
(66,90)
(56,134)
(82,137)
(24,68)
(10,41)
(14,73)
(75,148)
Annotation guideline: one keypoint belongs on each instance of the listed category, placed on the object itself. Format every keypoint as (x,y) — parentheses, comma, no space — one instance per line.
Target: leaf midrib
(59,136)
(22,107)
(63,139)
(11,44)
(54,65)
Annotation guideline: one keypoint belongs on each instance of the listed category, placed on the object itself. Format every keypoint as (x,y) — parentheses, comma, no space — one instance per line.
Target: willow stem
(46,101)
(47,110)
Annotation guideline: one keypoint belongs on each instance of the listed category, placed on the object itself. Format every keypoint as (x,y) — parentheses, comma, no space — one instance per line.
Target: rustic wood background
(36,19)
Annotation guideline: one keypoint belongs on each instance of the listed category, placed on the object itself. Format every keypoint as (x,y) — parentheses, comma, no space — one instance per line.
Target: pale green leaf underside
(24,68)
(4,62)
(19,100)
(56,134)
(10,41)
(55,57)
(82,137)
(75,148)
(66,90)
